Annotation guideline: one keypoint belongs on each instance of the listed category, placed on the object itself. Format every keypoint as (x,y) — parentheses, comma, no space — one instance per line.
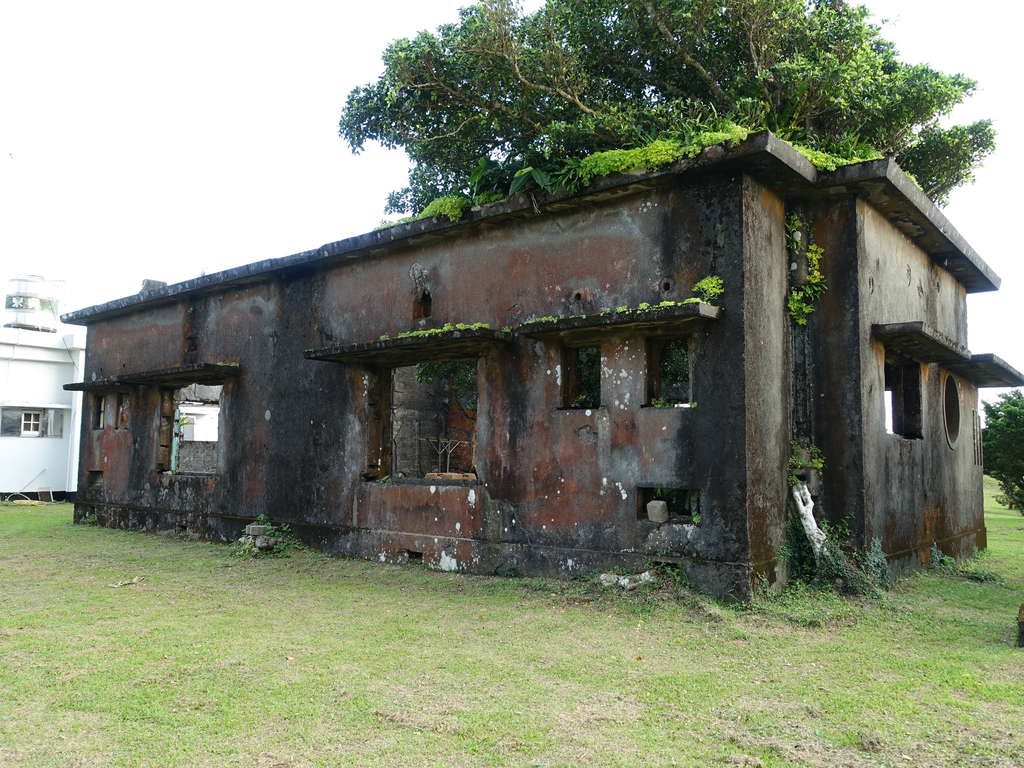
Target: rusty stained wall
(916,492)
(767,371)
(235,326)
(558,490)
(831,353)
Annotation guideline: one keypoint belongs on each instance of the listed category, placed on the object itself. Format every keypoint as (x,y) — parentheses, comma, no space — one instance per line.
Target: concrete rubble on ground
(257,536)
(626,582)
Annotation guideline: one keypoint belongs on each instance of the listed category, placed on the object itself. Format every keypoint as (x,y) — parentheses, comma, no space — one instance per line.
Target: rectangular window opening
(431,410)
(669,505)
(668,373)
(903,398)
(123,410)
(99,407)
(94,480)
(581,377)
(190,429)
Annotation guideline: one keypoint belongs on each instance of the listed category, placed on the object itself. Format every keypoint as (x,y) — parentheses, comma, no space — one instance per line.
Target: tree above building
(503,98)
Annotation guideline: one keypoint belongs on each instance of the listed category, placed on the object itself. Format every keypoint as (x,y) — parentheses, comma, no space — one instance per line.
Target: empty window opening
(190,429)
(99,407)
(668,373)
(422,306)
(412,556)
(581,377)
(31,422)
(951,409)
(433,420)
(94,480)
(669,505)
(123,410)
(378,424)
(903,399)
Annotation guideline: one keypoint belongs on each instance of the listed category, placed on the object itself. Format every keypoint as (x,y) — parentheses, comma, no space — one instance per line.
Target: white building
(39,421)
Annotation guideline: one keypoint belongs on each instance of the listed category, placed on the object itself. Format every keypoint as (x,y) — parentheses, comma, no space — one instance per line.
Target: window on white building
(31,423)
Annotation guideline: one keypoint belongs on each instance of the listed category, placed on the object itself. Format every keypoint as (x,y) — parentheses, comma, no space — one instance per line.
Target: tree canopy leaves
(1003,445)
(532,91)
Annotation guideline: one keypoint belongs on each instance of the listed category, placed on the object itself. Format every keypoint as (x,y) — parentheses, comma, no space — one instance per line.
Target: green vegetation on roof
(824,161)
(575,174)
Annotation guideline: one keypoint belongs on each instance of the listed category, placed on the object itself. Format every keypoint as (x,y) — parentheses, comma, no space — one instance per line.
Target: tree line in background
(1003,445)
(502,97)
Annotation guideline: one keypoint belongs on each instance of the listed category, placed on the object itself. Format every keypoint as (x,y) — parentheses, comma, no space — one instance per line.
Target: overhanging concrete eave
(918,341)
(890,191)
(763,155)
(178,375)
(988,370)
(653,320)
(414,348)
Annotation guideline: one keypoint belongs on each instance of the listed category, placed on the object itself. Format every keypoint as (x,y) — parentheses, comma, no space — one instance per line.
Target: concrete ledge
(648,319)
(417,348)
(988,370)
(196,373)
(919,342)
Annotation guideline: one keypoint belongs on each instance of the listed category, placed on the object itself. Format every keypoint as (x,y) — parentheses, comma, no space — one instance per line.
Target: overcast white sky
(159,140)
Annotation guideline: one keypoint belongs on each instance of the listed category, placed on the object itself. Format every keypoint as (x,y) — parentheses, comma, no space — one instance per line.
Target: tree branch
(720,96)
(805,508)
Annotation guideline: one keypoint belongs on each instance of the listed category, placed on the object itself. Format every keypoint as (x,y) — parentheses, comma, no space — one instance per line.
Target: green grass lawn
(305,660)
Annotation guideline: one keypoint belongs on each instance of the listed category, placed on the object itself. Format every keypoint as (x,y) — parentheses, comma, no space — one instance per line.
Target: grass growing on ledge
(640,308)
(311,661)
(446,328)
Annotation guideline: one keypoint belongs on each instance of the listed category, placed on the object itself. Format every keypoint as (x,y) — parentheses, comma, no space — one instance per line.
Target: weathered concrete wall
(197,456)
(557,489)
(829,349)
(156,342)
(916,491)
(767,372)
(415,416)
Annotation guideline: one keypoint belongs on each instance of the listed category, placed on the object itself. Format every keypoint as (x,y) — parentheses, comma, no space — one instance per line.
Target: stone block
(657,511)
(265,543)
(256,530)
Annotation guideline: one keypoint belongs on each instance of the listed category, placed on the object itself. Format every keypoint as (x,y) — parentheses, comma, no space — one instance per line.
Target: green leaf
(522,179)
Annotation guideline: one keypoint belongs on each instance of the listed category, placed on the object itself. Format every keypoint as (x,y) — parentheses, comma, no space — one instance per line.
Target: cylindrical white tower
(31,302)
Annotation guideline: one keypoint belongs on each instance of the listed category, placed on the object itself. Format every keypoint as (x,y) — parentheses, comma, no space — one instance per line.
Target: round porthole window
(951,409)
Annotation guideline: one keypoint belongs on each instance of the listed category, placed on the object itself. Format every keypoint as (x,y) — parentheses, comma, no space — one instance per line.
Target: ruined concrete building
(506,394)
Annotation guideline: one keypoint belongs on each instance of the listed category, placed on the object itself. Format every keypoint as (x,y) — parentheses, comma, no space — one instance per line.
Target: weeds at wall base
(966,569)
(285,541)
